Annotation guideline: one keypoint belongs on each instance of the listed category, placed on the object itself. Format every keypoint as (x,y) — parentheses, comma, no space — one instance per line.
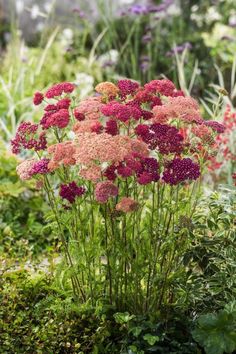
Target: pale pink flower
(102,148)
(201,131)
(87,126)
(91,173)
(105,190)
(127,205)
(62,154)
(24,169)
(90,107)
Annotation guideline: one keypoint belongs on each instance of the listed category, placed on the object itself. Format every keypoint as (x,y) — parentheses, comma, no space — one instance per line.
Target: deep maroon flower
(124,171)
(59,89)
(180,170)
(216,126)
(149,171)
(110,173)
(70,191)
(111,127)
(162,136)
(78,115)
(27,137)
(38,98)
(127,87)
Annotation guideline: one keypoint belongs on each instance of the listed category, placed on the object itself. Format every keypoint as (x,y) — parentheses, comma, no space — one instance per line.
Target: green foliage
(216,332)
(22,227)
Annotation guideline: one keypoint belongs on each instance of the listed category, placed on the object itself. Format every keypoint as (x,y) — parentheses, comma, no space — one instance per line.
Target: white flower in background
(67,37)
(212,14)
(111,57)
(48,6)
(85,84)
(232,20)
(39,27)
(19,6)
(35,12)
(126,2)
(174,10)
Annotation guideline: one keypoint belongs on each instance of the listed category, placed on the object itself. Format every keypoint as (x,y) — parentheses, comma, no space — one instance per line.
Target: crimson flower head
(38,98)
(127,87)
(58,89)
(70,191)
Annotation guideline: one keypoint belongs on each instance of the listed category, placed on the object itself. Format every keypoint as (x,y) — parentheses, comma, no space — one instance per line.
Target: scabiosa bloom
(105,190)
(28,137)
(216,126)
(70,191)
(180,170)
(127,205)
(127,87)
(59,89)
(38,98)
(110,173)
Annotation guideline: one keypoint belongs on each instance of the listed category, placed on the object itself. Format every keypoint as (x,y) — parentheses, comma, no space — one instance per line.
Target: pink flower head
(64,103)
(102,148)
(165,87)
(24,169)
(87,126)
(91,173)
(38,98)
(149,171)
(127,205)
(62,153)
(89,108)
(59,89)
(71,191)
(28,137)
(105,190)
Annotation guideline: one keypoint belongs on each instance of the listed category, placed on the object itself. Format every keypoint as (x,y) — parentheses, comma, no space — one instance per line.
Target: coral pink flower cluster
(124,135)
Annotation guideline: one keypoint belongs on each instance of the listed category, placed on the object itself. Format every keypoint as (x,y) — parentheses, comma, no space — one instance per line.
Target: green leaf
(151,339)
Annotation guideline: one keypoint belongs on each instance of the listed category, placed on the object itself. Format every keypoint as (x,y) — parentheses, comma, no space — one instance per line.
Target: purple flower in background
(79,12)
(147,38)
(137,9)
(179,49)
(144,63)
